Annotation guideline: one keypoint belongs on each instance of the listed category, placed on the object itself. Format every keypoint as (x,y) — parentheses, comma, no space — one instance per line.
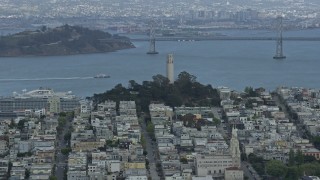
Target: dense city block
(254,134)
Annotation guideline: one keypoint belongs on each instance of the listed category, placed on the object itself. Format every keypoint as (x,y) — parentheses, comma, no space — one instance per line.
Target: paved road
(301,132)
(61,160)
(223,129)
(216,111)
(249,171)
(283,107)
(152,151)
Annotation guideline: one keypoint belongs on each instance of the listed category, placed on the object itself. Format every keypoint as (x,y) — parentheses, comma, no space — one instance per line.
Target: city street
(61,160)
(300,130)
(249,171)
(152,151)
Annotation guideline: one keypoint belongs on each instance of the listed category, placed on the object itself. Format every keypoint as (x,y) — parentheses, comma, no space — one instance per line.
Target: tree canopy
(316,141)
(184,91)
(276,168)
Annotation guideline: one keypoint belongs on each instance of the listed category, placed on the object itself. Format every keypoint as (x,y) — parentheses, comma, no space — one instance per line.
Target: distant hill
(64,40)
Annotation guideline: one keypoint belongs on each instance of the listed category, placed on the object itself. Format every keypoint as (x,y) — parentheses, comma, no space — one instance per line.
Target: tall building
(234,149)
(221,164)
(170,71)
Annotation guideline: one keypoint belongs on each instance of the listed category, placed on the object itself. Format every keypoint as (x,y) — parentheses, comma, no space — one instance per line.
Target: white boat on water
(101,76)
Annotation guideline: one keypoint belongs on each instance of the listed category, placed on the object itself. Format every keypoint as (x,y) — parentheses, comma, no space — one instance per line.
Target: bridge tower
(152,48)
(279,48)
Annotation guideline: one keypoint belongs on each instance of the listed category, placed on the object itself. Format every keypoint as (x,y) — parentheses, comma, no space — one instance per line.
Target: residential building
(233,173)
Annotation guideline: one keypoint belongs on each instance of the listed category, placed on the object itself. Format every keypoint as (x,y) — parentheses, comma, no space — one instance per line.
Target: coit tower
(170,72)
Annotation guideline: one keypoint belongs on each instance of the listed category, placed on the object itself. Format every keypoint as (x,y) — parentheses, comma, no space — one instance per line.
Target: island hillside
(64,40)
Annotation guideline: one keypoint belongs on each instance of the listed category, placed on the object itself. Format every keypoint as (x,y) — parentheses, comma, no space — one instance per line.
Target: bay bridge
(226,38)
(279,39)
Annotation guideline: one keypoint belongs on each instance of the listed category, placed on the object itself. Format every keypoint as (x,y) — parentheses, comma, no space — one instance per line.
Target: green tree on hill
(185,91)
(299,157)
(316,141)
(311,169)
(276,169)
(291,158)
(293,173)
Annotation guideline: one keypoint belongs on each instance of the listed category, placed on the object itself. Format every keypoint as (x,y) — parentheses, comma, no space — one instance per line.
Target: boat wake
(47,79)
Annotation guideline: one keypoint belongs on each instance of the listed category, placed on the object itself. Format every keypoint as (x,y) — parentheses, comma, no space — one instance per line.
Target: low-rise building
(233,173)
(4,168)
(3,147)
(40,171)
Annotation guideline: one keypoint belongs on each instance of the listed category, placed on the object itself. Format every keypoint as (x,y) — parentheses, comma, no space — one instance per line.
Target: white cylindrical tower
(170,72)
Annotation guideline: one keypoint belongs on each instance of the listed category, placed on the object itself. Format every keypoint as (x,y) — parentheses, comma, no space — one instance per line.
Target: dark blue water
(235,64)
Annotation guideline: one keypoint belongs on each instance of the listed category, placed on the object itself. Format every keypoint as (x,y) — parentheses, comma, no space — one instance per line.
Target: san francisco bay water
(235,64)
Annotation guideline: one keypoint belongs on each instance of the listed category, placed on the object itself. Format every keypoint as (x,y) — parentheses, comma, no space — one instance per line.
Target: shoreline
(70,54)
